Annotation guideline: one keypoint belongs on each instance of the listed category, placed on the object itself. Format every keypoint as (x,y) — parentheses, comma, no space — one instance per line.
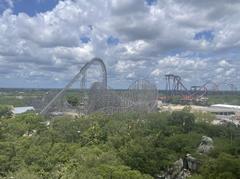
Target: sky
(44,43)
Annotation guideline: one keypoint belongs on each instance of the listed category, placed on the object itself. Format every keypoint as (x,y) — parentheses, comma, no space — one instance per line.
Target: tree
(23,174)
(125,145)
(184,119)
(73,100)
(121,171)
(224,167)
(5,111)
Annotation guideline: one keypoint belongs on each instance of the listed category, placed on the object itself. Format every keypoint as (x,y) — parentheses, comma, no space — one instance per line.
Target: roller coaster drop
(141,96)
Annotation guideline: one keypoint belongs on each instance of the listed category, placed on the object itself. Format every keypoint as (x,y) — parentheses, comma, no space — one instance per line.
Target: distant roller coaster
(175,87)
(141,96)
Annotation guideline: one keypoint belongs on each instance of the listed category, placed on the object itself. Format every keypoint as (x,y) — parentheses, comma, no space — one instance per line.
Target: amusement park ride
(176,88)
(141,96)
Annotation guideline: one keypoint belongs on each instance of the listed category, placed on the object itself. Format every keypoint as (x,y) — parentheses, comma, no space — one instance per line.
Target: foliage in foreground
(118,146)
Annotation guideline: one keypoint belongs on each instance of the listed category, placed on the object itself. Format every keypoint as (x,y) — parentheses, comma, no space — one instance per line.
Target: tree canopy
(119,146)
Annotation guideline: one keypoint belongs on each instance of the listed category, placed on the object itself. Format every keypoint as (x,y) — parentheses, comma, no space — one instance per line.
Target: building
(224,113)
(20,110)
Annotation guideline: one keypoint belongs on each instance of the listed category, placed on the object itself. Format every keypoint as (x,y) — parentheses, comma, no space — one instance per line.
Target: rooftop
(20,110)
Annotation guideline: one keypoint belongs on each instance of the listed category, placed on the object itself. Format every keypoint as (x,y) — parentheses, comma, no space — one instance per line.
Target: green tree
(23,173)
(182,143)
(73,100)
(27,124)
(5,111)
(184,119)
(224,167)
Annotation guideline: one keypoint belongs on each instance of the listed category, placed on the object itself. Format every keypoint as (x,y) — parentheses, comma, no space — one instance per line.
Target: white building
(20,110)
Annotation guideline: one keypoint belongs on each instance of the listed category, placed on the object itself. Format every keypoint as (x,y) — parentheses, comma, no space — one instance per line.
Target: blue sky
(207,35)
(43,43)
(32,7)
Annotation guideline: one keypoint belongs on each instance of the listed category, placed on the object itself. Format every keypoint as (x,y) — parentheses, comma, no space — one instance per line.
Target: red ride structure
(176,89)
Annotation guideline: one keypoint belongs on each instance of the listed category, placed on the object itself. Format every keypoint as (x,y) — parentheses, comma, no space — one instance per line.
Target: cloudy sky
(43,43)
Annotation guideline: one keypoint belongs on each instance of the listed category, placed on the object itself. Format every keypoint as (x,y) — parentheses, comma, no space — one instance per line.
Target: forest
(130,145)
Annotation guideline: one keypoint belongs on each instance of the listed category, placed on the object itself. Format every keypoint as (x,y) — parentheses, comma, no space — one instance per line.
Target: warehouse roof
(226,106)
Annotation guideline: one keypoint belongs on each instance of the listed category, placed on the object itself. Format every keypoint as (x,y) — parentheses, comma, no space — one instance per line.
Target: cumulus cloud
(196,71)
(197,40)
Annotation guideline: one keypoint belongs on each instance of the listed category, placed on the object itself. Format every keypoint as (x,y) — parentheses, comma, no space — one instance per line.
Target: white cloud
(195,71)
(126,66)
(156,72)
(230,72)
(224,63)
(153,40)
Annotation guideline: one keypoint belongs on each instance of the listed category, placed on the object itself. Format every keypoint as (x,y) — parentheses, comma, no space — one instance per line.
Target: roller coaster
(141,96)
(175,87)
